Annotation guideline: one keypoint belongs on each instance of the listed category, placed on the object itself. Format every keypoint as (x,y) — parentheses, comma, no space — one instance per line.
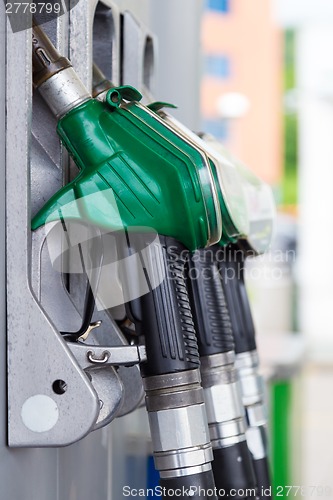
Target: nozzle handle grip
(210,312)
(230,263)
(197,484)
(233,470)
(164,314)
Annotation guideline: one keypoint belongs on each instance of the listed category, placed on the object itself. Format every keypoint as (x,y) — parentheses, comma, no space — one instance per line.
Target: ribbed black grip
(230,262)
(233,472)
(164,314)
(261,470)
(197,487)
(210,312)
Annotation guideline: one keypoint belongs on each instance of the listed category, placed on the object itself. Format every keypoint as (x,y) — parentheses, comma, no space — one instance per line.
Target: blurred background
(267,94)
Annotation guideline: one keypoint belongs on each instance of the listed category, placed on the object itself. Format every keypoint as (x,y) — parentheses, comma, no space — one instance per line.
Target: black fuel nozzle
(232,465)
(231,263)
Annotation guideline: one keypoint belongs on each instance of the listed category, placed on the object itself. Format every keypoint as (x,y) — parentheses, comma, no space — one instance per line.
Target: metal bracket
(92,355)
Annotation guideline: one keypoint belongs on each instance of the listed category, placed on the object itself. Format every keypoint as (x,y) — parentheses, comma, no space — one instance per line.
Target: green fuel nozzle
(158,179)
(247,204)
(258,202)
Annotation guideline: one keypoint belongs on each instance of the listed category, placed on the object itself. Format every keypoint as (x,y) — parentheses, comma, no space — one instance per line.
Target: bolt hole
(59,386)
(114,97)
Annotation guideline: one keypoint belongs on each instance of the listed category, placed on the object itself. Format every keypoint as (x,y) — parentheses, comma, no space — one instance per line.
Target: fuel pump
(162,182)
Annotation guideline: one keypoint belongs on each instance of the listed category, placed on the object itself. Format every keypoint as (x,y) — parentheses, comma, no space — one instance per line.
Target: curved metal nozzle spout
(46,60)
(100,83)
(54,76)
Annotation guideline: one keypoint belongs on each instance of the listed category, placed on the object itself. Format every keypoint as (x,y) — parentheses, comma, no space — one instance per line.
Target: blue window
(218,66)
(219,5)
(219,127)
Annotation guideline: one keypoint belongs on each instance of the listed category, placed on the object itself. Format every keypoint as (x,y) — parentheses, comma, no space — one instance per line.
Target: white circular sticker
(40,413)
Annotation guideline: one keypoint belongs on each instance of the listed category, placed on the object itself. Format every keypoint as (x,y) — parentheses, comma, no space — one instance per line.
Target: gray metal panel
(80,471)
(84,468)
(18,468)
(178,25)
(37,355)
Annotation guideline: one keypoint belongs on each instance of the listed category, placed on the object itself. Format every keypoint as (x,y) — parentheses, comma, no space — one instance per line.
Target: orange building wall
(248,36)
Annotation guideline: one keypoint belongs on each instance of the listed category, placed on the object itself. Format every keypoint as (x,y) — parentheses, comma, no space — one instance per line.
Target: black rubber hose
(196,486)
(233,472)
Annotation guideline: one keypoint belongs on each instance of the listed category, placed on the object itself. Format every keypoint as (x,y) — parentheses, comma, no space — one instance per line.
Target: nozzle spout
(46,60)
(100,83)
(54,76)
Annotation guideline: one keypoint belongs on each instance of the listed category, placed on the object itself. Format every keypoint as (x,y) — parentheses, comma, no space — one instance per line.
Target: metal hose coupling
(54,76)
(178,424)
(232,465)
(222,393)
(253,395)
